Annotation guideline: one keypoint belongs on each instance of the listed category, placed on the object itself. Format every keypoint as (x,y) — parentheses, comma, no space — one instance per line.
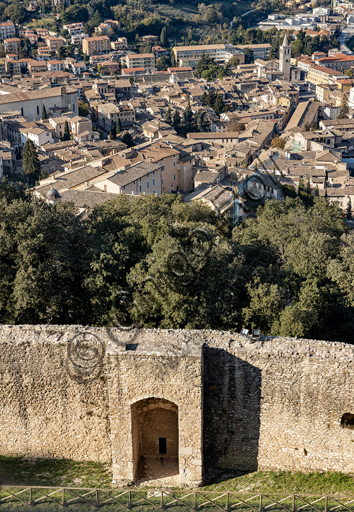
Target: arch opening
(155,440)
(347,421)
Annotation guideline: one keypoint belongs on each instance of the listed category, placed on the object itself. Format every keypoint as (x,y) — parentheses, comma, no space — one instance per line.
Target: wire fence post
(326,503)
(30,498)
(63,496)
(161,502)
(227,500)
(96,496)
(129,499)
(195,500)
(293,502)
(260,503)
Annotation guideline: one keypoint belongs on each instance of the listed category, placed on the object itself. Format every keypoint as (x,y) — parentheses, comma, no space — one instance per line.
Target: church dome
(52,194)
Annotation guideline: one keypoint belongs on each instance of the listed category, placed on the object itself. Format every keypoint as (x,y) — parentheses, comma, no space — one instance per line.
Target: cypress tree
(349,209)
(44,113)
(66,131)
(30,162)
(119,126)
(168,116)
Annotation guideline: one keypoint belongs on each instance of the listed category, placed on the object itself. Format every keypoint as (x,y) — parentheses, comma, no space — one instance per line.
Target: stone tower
(284,58)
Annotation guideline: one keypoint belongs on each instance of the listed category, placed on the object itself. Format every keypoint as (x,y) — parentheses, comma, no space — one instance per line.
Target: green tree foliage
(113,133)
(344,108)
(30,162)
(349,210)
(44,113)
(168,116)
(163,36)
(288,272)
(119,126)
(188,118)
(127,139)
(83,109)
(66,135)
(74,13)
(176,120)
(214,101)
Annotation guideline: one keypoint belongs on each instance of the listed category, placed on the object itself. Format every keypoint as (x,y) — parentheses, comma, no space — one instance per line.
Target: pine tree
(30,162)
(127,139)
(301,184)
(349,209)
(119,126)
(168,116)
(218,104)
(66,131)
(200,120)
(163,36)
(44,113)
(344,108)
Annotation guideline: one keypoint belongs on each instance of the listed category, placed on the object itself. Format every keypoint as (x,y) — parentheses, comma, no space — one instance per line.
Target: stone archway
(155,440)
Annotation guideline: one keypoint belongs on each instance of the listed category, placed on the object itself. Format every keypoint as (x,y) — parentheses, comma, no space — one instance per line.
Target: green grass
(51,472)
(68,473)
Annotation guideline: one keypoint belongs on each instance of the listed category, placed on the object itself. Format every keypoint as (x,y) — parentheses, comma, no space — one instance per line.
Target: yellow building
(321,75)
(96,45)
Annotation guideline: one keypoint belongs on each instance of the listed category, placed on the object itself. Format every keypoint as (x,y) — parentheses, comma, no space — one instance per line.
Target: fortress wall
(272,404)
(44,412)
(278,404)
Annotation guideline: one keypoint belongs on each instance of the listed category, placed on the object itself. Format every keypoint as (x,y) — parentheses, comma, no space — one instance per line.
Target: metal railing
(167,499)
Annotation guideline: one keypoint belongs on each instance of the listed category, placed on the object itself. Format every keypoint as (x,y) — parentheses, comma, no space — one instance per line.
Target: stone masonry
(185,404)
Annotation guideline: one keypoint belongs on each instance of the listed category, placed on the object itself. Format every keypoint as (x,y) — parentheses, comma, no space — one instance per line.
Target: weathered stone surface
(77,392)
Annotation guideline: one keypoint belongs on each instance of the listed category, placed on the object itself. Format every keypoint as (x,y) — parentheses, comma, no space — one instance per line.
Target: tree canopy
(287,272)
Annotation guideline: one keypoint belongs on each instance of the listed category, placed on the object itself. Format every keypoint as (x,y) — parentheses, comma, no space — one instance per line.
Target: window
(174,177)
(123,188)
(153,181)
(147,175)
(139,188)
(153,173)
(139,179)
(37,109)
(148,184)
(162,445)
(171,185)
(133,182)
(174,164)
(162,181)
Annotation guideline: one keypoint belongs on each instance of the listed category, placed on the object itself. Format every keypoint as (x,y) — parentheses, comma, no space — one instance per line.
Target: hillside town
(101,119)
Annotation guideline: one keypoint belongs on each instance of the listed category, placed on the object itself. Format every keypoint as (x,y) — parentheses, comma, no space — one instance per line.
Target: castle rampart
(178,403)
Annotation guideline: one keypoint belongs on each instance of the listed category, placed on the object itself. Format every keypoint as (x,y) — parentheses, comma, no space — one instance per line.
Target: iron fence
(167,499)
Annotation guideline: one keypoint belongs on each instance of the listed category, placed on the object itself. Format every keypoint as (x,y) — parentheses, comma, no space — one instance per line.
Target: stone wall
(77,392)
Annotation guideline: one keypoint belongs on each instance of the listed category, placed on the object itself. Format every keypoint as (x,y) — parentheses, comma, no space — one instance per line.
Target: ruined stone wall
(242,405)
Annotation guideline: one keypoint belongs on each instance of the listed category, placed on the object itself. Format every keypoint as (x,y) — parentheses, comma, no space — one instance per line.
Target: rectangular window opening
(162,445)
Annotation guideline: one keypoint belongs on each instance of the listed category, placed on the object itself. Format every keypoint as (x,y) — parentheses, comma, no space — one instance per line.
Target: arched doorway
(155,439)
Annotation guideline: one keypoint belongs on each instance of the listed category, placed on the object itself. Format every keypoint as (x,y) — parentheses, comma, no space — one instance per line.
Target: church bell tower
(284,58)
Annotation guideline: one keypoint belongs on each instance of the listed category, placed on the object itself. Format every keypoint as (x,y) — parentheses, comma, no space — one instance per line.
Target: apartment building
(338,62)
(109,66)
(54,65)
(260,51)
(160,52)
(7,30)
(120,44)
(54,43)
(36,66)
(177,167)
(44,53)
(322,75)
(189,55)
(42,32)
(141,178)
(74,28)
(108,113)
(115,25)
(140,60)
(78,38)
(12,45)
(96,45)
(13,67)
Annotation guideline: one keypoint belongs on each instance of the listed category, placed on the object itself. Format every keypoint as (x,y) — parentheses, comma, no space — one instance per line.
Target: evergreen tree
(349,209)
(301,185)
(44,113)
(113,133)
(168,116)
(66,131)
(308,186)
(163,36)
(317,193)
(176,120)
(201,121)
(118,127)
(344,108)
(188,118)
(218,104)
(30,162)
(127,139)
